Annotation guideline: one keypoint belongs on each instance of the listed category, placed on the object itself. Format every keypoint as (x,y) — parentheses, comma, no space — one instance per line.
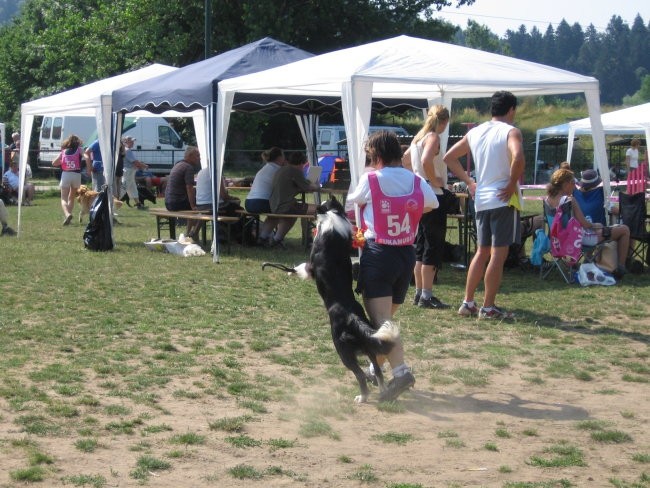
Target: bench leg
(247,222)
(172,228)
(204,226)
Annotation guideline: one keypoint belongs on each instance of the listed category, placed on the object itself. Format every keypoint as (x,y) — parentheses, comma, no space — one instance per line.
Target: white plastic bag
(590,274)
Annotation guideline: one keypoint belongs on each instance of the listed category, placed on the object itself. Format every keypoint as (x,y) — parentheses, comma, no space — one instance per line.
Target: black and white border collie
(331,267)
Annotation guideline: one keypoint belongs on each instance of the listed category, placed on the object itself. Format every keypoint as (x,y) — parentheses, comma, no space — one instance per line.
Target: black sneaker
(432,302)
(416,299)
(7,231)
(397,386)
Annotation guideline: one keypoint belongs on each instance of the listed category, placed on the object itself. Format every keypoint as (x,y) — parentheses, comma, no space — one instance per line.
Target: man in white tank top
(498,154)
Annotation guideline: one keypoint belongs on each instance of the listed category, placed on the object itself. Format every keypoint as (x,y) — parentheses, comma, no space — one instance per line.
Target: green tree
(56,45)
(568,40)
(479,36)
(642,95)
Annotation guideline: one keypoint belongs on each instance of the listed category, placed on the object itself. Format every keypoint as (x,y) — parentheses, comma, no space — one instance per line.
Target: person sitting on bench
(288,182)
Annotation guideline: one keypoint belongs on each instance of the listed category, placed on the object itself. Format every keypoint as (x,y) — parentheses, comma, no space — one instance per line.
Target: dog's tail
(388,332)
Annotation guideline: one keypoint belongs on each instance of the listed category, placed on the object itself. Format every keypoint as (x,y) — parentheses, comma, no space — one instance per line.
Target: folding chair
(634,214)
(565,264)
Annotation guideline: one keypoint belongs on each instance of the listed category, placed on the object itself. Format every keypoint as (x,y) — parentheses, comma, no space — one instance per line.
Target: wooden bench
(166,219)
(306,223)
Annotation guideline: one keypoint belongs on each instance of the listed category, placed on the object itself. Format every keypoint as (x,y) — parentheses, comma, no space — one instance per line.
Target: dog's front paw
(360,399)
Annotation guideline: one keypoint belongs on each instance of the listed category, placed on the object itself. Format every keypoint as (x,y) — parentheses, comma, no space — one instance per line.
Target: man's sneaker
(432,302)
(468,311)
(416,299)
(495,313)
(397,386)
(7,231)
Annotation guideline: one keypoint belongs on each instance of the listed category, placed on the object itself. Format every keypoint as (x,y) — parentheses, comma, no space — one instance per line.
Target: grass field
(133,367)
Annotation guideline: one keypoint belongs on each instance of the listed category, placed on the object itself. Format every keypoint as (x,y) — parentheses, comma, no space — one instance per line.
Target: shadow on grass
(436,405)
(555,322)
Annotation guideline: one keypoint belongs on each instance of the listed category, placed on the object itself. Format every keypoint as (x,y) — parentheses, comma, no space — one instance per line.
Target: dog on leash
(331,268)
(144,194)
(86,197)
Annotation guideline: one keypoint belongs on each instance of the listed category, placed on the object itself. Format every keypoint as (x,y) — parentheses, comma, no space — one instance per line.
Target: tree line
(50,46)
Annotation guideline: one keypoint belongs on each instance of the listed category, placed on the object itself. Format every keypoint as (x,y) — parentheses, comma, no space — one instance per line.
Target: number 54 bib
(396,217)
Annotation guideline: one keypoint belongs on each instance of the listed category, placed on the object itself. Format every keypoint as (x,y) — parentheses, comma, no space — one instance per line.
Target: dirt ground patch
(312,434)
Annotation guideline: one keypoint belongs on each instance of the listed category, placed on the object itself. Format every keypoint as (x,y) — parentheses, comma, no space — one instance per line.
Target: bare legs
(424,275)
(621,234)
(380,310)
(68,195)
(489,260)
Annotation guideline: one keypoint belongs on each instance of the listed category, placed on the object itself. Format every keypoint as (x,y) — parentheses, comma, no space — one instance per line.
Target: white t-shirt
(394,181)
(263,182)
(633,154)
(204,187)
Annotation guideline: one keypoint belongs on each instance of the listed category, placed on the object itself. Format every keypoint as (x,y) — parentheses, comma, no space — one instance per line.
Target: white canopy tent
(405,67)
(628,121)
(93,99)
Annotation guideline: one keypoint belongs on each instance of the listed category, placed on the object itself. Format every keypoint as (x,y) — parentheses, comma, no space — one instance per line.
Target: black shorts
(385,271)
(430,241)
(257,205)
(177,206)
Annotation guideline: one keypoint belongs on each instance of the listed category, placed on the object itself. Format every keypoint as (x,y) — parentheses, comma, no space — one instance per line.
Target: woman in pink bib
(70,162)
(392,201)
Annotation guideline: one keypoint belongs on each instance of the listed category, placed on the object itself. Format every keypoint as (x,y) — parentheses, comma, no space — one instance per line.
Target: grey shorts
(498,227)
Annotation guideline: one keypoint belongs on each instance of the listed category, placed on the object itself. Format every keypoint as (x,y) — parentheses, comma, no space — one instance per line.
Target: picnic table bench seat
(166,219)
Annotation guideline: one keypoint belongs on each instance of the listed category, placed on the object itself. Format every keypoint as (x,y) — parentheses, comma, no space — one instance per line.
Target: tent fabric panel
(195,85)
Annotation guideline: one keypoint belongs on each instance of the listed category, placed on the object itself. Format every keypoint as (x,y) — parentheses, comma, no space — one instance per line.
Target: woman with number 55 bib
(392,201)
(71,162)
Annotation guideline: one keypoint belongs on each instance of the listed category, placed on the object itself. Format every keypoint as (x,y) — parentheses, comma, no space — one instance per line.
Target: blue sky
(500,15)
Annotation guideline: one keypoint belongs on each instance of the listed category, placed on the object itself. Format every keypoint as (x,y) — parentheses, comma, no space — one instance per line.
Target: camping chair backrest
(565,232)
(592,204)
(633,212)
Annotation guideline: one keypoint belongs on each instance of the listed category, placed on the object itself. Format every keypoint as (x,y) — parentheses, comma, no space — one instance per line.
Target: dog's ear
(336,205)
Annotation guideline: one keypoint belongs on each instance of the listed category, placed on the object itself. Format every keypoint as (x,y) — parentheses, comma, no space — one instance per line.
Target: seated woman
(559,193)
(257,200)
(288,182)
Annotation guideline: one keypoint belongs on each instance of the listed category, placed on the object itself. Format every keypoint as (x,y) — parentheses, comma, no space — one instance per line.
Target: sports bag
(566,236)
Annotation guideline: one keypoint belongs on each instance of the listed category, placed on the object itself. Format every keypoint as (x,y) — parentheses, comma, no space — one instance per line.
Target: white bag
(590,274)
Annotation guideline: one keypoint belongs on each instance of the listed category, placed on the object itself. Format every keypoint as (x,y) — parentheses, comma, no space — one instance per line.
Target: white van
(156,142)
(56,129)
(331,139)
